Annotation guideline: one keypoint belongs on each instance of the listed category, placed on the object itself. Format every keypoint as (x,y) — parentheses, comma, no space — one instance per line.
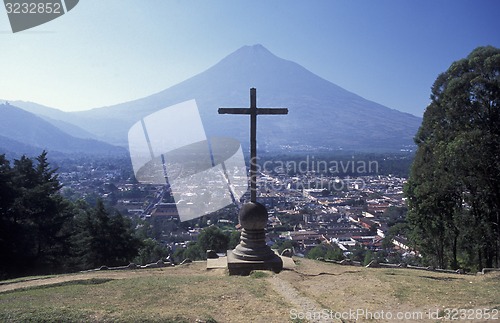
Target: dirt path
(303,307)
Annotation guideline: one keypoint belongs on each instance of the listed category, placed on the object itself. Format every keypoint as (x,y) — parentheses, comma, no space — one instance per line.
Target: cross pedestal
(252,253)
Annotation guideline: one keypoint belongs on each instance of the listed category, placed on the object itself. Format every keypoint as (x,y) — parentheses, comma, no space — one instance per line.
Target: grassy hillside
(190,293)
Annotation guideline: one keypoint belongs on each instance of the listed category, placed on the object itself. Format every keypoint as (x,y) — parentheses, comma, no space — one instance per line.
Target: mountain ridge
(322,115)
(25,132)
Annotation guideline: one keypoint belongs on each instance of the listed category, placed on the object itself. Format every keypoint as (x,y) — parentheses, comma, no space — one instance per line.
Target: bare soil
(312,292)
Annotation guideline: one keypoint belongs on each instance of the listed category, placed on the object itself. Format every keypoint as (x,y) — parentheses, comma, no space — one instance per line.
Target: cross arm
(249,111)
(234,110)
(272,111)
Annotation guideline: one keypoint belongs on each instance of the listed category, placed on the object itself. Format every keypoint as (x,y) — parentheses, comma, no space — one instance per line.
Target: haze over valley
(322,116)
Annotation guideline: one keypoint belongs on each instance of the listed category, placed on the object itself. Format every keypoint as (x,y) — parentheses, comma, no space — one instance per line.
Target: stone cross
(253,111)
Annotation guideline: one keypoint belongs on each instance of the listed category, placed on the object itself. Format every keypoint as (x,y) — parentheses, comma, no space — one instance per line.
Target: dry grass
(344,288)
(189,293)
(181,294)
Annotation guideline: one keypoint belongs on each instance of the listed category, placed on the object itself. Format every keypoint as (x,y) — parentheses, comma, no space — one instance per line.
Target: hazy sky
(112,51)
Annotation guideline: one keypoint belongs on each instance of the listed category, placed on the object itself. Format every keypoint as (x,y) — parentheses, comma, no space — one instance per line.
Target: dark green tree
(326,251)
(104,239)
(287,244)
(318,251)
(194,252)
(357,253)
(178,254)
(334,253)
(213,238)
(34,217)
(369,256)
(454,185)
(8,221)
(151,251)
(394,215)
(234,239)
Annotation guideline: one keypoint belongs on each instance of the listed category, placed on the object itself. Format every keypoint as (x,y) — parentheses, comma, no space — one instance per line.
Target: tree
(213,238)
(318,251)
(326,251)
(454,186)
(334,253)
(151,251)
(33,217)
(234,239)
(369,256)
(357,253)
(8,223)
(42,232)
(103,239)
(286,244)
(178,254)
(210,238)
(399,229)
(7,191)
(194,252)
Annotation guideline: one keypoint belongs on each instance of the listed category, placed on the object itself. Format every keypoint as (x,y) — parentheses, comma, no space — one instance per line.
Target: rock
(211,254)
(186,261)
(372,264)
(287,253)
(487,270)
(169,263)
(346,262)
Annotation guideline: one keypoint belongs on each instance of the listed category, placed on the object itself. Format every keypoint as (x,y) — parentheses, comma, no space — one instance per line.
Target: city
(308,205)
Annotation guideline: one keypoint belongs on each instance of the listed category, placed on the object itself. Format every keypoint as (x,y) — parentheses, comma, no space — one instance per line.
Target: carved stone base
(253,246)
(240,267)
(253,253)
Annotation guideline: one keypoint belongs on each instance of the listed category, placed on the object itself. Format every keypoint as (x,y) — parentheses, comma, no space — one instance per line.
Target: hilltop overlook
(190,293)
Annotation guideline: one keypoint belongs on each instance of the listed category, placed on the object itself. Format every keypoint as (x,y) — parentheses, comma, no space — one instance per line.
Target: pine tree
(33,217)
(103,239)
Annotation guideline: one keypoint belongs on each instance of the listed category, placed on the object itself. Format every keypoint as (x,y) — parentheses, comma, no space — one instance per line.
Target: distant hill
(39,109)
(55,117)
(13,148)
(322,116)
(23,132)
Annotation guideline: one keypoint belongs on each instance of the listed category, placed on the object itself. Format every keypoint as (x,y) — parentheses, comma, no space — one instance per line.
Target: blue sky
(107,52)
